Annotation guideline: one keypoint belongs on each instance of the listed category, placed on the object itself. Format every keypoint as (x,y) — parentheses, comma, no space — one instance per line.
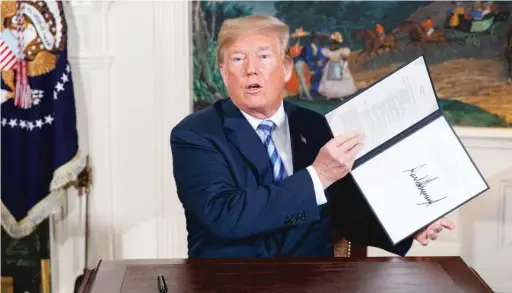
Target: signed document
(413,169)
(389,107)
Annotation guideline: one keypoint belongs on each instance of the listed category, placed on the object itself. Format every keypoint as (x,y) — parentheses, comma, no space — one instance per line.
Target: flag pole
(44,233)
(84,183)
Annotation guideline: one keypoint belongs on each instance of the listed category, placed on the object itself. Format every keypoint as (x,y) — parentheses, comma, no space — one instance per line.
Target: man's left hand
(431,232)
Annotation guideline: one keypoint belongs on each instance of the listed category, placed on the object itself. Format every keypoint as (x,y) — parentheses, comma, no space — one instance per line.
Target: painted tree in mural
(207,17)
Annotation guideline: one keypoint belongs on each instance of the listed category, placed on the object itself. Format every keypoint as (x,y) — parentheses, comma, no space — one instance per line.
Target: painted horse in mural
(418,36)
(373,44)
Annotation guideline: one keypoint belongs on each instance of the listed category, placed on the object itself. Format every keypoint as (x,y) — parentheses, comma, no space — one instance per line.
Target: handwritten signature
(421,184)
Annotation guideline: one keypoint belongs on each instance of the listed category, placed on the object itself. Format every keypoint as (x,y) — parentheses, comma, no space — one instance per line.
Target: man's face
(254,72)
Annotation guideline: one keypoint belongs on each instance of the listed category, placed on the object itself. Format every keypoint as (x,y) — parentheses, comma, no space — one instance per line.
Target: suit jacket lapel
(245,139)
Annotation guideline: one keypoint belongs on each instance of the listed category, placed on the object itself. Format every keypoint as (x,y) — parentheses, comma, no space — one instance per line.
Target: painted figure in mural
(456,14)
(300,80)
(486,9)
(428,25)
(315,59)
(337,81)
(478,6)
(481,9)
(379,29)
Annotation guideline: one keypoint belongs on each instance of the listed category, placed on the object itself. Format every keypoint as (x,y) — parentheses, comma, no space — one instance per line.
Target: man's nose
(250,66)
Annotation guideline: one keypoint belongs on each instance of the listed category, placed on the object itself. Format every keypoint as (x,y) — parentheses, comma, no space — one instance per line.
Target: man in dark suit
(260,177)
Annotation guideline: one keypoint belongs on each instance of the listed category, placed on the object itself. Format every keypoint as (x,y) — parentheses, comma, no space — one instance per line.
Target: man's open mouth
(254,86)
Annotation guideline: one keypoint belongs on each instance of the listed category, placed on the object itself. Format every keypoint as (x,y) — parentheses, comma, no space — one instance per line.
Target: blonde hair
(236,27)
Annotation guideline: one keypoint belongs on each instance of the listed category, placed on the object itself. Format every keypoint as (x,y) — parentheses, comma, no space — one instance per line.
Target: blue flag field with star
(40,149)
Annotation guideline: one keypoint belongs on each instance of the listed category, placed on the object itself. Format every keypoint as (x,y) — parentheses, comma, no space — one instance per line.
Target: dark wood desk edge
(464,276)
(111,273)
(170,261)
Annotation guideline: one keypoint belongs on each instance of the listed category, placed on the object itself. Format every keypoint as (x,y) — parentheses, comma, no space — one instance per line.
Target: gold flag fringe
(63,178)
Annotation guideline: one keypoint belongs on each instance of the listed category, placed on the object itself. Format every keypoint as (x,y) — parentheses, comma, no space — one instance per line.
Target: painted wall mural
(340,48)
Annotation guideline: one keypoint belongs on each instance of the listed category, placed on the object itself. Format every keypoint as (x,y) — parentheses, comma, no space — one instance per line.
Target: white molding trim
(91,62)
(487,138)
(88,26)
(504,206)
(483,133)
(88,7)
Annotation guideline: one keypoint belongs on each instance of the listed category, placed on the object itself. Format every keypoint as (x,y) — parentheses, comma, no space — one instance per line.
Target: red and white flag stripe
(7,57)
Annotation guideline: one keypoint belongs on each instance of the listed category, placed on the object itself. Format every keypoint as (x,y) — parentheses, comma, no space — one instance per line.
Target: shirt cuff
(317,185)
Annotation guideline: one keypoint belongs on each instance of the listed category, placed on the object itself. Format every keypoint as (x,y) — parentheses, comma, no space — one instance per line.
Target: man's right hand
(337,156)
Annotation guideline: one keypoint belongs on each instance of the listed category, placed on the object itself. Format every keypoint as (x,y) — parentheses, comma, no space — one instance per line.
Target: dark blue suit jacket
(234,209)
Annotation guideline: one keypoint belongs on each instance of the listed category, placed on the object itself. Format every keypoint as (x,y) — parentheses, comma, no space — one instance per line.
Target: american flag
(7,57)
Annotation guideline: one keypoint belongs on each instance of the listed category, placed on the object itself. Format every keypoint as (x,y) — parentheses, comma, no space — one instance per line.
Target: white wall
(132,80)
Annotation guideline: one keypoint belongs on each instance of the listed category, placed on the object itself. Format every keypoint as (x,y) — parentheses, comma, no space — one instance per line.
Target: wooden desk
(383,275)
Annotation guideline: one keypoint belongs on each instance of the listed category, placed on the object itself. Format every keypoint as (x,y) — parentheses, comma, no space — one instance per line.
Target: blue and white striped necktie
(265,133)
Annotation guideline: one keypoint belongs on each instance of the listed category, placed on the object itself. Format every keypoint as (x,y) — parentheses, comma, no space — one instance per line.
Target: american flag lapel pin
(303,139)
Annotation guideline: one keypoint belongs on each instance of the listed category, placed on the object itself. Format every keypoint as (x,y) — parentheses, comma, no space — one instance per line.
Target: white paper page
(388,107)
(441,176)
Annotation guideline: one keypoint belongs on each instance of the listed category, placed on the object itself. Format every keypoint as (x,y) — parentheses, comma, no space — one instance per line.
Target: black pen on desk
(162,286)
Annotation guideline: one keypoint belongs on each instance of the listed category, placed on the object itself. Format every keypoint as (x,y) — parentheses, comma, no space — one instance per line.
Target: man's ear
(222,70)
(288,68)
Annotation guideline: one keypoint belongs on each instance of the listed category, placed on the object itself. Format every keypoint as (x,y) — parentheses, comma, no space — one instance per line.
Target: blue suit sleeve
(208,192)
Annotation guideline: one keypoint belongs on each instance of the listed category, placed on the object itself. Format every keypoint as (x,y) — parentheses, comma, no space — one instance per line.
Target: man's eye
(265,56)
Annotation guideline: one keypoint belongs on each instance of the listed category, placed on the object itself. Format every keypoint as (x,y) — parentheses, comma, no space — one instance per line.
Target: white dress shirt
(281,139)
